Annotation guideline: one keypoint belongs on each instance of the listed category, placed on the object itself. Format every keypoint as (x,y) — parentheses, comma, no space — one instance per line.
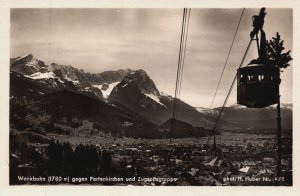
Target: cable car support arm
(227,97)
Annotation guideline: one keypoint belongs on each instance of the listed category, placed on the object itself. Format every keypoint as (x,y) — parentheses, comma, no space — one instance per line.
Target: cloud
(102,39)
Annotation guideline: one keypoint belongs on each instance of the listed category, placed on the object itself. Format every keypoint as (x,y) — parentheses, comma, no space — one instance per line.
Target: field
(227,138)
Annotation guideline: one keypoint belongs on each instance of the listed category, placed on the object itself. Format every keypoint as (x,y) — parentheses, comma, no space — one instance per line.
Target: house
(244,171)
(249,163)
(217,164)
(40,148)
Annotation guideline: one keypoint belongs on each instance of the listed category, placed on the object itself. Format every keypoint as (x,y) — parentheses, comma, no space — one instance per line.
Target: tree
(55,157)
(68,158)
(79,161)
(275,54)
(106,162)
(276,57)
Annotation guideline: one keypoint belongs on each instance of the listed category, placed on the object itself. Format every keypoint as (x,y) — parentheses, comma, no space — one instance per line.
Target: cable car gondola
(257,85)
(258,82)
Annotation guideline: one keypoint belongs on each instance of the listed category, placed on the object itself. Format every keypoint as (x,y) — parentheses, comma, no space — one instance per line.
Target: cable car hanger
(258,82)
(253,91)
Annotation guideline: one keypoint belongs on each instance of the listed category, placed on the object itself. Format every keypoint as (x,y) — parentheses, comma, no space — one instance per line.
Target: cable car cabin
(257,86)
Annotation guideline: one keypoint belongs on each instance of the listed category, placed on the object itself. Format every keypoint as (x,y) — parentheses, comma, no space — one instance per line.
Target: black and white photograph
(151,96)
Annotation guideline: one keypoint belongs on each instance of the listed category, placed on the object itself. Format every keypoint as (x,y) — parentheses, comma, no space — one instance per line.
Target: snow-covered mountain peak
(155,98)
(25,57)
(106,88)
(238,106)
(283,105)
(143,81)
(28,65)
(39,75)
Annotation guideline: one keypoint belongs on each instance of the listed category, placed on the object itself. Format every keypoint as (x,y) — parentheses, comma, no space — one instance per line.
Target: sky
(97,40)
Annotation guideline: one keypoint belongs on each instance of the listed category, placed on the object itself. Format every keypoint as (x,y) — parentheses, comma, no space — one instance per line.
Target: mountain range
(127,97)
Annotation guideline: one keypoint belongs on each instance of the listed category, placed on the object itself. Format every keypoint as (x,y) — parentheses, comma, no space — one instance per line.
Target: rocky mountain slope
(138,93)
(55,77)
(131,92)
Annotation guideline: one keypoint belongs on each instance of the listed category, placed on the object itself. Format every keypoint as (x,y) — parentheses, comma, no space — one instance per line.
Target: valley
(117,124)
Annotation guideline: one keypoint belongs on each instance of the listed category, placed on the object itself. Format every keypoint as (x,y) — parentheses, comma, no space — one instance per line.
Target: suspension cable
(225,64)
(179,64)
(226,99)
(182,49)
(183,59)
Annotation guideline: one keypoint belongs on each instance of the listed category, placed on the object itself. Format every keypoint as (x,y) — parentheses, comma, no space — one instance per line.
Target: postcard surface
(182,96)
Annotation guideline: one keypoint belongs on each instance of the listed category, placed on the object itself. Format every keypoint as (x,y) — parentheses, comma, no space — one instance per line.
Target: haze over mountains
(117,100)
